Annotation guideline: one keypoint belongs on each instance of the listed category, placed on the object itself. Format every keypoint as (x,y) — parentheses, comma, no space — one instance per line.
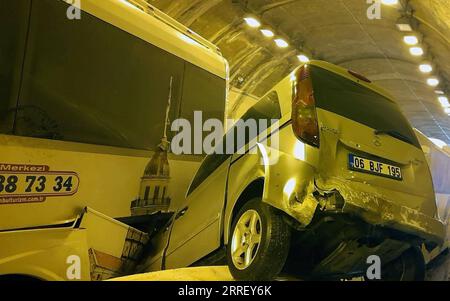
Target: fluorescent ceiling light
(303,58)
(444,101)
(404,27)
(425,68)
(433,82)
(416,51)
(411,40)
(267,33)
(281,43)
(439,92)
(252,22)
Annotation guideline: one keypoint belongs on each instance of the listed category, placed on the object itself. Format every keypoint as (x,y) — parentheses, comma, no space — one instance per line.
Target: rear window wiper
(394,134)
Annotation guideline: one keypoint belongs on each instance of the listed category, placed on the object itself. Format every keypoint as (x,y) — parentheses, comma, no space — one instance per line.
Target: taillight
(304,115)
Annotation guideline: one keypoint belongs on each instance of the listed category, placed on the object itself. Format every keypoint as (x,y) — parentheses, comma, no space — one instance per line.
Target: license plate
(375,167)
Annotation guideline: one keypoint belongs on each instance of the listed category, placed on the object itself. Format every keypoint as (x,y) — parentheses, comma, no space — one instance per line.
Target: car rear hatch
(367,147)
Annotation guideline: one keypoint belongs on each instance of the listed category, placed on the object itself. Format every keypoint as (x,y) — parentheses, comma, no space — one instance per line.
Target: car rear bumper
(377,209)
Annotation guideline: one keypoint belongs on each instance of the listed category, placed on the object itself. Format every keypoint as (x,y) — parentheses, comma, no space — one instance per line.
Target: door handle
(181,213)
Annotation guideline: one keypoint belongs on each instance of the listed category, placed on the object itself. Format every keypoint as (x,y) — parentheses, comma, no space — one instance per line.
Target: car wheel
(259,242)
(410,266)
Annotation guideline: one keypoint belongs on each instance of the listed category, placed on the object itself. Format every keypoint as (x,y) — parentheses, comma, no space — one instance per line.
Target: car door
(196,231)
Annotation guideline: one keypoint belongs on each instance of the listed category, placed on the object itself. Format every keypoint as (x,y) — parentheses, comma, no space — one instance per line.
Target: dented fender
(290,192)
(280,171)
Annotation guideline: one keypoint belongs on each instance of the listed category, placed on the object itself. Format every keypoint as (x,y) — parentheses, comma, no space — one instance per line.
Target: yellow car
(346,181)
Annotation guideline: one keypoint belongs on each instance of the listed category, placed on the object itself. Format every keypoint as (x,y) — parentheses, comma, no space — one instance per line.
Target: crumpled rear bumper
(376,209)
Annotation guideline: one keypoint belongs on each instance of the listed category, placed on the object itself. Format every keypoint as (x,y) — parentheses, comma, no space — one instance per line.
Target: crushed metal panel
(114,247)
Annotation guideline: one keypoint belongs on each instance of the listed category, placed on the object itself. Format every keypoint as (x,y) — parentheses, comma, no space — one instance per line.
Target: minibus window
(97,85)
(202,92)
(91,82)
(14,17)
(351,100)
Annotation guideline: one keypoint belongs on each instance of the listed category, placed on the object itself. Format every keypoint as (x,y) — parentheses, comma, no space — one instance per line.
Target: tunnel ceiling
(337,31)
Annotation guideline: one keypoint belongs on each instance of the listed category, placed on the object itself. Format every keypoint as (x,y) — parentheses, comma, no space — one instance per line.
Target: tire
(259,240)
(410,266)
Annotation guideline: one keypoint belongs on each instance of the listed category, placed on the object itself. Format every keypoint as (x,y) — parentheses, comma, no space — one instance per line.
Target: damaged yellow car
(347,180)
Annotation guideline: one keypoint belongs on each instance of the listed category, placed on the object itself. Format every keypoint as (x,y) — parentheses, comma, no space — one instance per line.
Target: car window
(342,96)
(268,108)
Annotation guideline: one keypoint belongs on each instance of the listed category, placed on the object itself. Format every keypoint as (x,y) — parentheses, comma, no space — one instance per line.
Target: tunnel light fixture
(425,68)
(433,82)
(405,27)
(281,43)
(389,2)
(404,24)
(439,92)
(303,58)
(444,101)
(411,40)
(252,22)
(416,51)
(267,33)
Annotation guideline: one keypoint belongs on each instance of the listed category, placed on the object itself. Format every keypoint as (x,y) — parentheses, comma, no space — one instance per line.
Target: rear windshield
(344,97)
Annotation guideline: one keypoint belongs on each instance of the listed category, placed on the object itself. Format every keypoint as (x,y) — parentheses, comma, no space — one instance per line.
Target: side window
(266,110)
(88,81)
(202,92)
(14,17)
